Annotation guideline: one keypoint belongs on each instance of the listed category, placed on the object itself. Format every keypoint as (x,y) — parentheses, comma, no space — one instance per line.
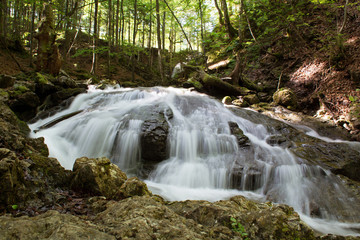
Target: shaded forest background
(309,46)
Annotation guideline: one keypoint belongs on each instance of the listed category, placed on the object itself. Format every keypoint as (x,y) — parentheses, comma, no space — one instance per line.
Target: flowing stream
(203,159)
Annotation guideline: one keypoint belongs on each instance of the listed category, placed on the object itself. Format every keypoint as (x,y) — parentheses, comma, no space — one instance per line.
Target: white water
(204,159)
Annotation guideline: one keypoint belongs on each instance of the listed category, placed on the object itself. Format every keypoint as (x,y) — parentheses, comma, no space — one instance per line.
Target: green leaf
(14,206)
(351,98)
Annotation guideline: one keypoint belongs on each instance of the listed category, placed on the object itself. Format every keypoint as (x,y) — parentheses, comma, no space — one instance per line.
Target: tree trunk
(187,39)
(3,17)
(150,35)
(134,41)
(109,37)
(122,20)
(221,17)
(90,18)
(229,28)
(49,58)
(94,61)
(159,40)
(163,30)
(117,23)
(32,32)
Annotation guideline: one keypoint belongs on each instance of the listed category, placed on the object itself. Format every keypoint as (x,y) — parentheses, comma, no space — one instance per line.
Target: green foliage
(238,227)
(354,98)
(14,207)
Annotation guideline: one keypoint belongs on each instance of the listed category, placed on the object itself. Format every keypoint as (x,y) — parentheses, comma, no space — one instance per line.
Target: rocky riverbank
(41,200)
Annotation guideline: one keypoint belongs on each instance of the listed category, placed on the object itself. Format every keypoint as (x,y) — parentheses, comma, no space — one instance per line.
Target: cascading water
(204,158)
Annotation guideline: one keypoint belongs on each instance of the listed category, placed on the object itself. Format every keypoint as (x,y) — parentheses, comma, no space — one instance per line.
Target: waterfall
(204,159)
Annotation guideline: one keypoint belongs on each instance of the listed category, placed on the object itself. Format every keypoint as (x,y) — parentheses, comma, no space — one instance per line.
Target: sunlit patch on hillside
(307,72)
(352,40)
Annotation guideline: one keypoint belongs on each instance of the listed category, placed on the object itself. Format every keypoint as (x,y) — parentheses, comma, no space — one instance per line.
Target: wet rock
(240,102)
(97,176)
(251,99)
(285,97)
(278,140)
(242,139)
(133,187)
(227,100)
(6,81)
(58,97)
(154,132)
(50,225)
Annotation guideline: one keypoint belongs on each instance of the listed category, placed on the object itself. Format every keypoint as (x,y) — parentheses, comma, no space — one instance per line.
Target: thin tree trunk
(134,41)
(90,19)
(122,20)
(187,39)
(117,23)
(202,32)
(230,29)
(94,61)
(159,40)
(163,30)
(221,16)
(345,13)
(32,33)
(109,36)
(150,35)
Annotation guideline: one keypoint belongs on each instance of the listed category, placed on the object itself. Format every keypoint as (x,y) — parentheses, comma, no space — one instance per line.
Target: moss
(41,78)
(21,88)
(195,83)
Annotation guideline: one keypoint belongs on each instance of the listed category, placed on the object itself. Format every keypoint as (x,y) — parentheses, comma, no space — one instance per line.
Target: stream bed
(187,145)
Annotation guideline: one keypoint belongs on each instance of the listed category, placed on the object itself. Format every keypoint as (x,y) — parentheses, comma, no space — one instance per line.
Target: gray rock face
(242,139)
(340,158)
(154,134)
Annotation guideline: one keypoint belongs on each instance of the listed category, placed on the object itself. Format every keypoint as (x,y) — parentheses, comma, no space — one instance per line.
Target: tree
(229,27)
(49,58)
(95,37)
(158,31)
(134,41)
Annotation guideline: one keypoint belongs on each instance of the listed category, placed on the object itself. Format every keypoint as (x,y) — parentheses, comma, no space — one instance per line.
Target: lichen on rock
(97,176)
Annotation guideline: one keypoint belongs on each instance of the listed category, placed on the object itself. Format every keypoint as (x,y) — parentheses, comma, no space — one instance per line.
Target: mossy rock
(251,99)
(133,187)
(97,177)
(285,97)
(226,100)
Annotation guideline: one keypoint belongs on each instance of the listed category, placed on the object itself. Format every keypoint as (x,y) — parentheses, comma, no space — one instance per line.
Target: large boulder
(154,132)
(97,177)
(285,97)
